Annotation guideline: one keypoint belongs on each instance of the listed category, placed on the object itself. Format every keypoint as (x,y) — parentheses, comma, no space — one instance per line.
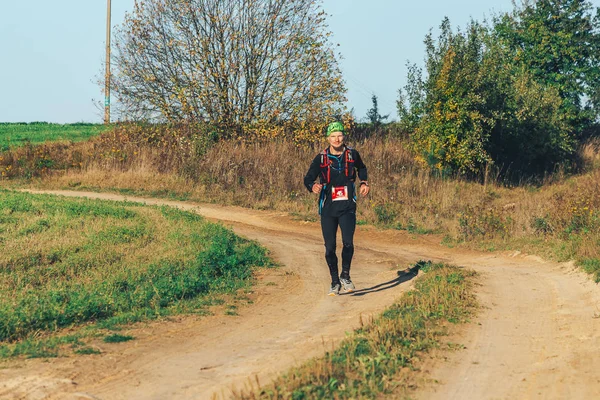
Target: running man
(337,167)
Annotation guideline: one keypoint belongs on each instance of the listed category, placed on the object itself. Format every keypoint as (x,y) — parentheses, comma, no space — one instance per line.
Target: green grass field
(72,262)
(17,134)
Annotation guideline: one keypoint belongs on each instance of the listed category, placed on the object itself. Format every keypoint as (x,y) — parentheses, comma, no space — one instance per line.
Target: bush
(478,221)
(384,213)
(475,110)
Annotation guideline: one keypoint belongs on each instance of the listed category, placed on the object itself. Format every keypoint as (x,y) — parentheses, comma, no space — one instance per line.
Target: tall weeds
(558,218)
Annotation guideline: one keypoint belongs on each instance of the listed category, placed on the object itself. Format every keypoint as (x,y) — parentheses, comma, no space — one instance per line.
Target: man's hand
(317,187)
(364,190)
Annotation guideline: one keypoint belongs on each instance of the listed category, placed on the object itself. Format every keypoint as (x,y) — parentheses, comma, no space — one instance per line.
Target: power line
(107,74)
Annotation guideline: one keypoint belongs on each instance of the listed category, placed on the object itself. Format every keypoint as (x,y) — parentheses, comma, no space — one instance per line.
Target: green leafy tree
(558,42)
(532,136)
(474,109)
(448,110)
(373,115)
(228,62)
(411,101)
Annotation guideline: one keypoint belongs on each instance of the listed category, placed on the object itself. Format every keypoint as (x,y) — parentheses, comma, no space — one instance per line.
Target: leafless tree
(227,61)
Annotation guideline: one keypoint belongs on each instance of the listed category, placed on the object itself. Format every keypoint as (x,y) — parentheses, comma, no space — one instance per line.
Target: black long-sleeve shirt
(338,179)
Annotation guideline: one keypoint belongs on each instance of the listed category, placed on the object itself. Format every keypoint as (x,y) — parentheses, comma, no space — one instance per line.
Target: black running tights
(329,225)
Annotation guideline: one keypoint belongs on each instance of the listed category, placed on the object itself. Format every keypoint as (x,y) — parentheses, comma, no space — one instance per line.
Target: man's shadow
(403,276)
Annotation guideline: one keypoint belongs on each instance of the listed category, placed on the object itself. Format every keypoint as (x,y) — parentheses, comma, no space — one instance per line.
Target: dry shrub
(39,160)
(589,153)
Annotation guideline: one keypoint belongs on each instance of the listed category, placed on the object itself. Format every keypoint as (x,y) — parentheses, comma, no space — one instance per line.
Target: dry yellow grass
(557,219)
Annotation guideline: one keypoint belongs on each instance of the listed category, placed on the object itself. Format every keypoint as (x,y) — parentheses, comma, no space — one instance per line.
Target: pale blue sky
(53,51)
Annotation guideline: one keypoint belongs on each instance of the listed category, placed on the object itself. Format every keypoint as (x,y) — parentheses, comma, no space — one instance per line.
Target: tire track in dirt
(290,321)
(536,336)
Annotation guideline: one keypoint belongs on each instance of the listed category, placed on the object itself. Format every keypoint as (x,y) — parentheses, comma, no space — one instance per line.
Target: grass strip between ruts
(380,357)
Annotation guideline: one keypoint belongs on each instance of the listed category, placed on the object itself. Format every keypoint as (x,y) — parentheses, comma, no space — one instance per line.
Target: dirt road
(537,335)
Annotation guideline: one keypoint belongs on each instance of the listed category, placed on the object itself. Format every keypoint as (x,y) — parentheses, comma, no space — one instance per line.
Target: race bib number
(339,193)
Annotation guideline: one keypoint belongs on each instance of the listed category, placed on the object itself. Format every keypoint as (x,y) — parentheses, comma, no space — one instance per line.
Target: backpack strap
(349,162)
(325,166)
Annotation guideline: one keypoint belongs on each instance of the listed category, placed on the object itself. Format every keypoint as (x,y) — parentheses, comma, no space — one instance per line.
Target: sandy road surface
(537,335)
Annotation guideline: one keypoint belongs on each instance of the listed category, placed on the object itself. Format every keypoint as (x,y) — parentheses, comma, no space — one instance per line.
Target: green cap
(335,127)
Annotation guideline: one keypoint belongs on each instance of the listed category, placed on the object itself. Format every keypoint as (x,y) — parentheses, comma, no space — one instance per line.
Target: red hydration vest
(326,165)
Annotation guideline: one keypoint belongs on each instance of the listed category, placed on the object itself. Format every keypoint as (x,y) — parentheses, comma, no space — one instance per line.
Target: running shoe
(335,290)
(347,285)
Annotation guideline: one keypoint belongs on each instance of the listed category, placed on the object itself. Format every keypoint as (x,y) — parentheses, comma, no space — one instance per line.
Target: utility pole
(107,75)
